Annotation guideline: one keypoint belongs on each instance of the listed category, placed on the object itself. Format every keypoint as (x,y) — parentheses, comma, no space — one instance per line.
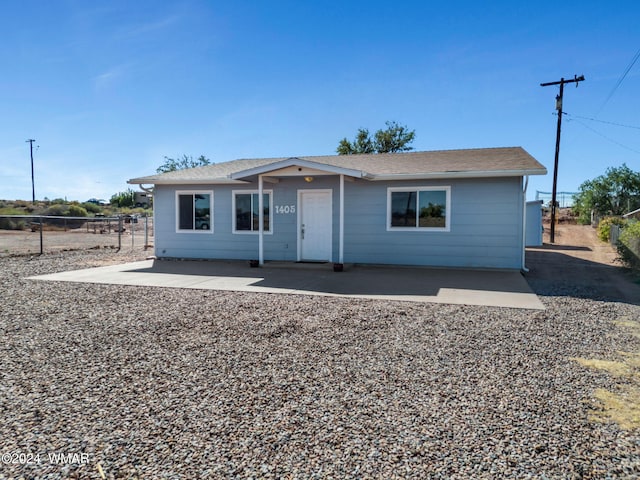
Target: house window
(194,212)
(419,208)
(246,211)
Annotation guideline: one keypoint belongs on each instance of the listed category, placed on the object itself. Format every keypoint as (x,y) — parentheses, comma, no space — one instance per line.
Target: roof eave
(185,181)
(295,161)
(469,174)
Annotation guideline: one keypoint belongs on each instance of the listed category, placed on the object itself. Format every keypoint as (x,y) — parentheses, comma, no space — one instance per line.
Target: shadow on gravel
(356,279)
(452,286)
(552,273)
(577,248)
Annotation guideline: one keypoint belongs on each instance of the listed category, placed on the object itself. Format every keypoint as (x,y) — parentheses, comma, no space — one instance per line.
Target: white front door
(314,225)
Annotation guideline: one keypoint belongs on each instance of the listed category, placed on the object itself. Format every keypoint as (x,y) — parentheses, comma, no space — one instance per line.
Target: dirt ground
(580,264)
(14,242)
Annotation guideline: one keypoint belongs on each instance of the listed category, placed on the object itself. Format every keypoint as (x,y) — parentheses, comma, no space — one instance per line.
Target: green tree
(614,193)
(124,199)
(395,138)
(187,161)
(362,144)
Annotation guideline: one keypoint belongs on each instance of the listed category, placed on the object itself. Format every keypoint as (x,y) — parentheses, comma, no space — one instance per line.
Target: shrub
(629,244)
(604,227)
(77,211)
(12,224)
(57,210)
(11,211)
(92,207)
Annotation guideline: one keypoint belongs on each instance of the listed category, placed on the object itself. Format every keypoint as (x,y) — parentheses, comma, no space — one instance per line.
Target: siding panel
(485,220)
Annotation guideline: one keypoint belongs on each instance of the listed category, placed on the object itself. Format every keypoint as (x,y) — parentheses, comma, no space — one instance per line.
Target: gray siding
(486,225)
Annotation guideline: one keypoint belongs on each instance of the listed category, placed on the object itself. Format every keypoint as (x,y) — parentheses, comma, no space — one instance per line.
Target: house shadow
(553,273)
(550,246)
(357,280)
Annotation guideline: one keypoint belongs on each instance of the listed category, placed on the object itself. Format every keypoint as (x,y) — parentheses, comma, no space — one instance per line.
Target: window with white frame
(419,208)
(246,211)
(194,212)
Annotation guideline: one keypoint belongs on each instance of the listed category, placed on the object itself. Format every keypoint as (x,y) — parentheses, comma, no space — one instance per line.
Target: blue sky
(109,88)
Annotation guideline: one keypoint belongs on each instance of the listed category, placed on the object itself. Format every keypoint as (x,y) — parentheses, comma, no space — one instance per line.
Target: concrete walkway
(452,286)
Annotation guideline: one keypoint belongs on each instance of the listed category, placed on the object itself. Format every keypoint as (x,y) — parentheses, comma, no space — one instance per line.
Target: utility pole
(33,185)
(562,81)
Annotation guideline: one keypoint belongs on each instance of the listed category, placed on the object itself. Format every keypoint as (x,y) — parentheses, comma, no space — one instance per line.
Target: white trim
(186,181)
(233,212)
(177,211)
(341,243)
(294,161)
(631,213)
(235,177)
(446,228)
(299,219)
(524,223)
(451,175)
(261,220)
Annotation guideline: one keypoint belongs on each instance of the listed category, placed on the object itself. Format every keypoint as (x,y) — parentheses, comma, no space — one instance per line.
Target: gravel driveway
(149,383)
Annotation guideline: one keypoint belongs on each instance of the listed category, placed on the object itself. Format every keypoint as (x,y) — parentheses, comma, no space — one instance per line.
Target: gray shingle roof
(481,162)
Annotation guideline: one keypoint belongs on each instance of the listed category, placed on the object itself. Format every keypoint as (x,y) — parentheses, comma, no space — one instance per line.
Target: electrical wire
(602,121)
(604,136)
(631,64)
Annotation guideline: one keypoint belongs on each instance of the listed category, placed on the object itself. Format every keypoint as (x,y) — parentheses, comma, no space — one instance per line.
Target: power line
(602,121)
(631,64)
(605,137)
(561,82)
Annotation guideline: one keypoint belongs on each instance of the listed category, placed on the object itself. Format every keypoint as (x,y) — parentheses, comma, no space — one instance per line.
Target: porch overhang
(296,167)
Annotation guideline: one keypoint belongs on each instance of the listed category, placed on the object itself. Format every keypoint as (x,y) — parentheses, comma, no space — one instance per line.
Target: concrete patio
(452,286)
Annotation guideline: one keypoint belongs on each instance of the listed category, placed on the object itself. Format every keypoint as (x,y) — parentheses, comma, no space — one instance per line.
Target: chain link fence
(564,199)
(38,234)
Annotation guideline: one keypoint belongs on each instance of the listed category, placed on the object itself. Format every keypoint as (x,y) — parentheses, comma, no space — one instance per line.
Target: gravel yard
(153,383)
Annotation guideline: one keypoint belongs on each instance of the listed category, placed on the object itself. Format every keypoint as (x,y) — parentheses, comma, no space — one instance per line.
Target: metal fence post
(146,232)
(133,229)
(119,233)
(41,242)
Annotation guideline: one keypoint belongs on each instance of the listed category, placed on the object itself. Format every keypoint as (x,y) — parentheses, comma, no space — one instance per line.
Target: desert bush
(57,210)
(10,211)
(629,244)
(135,211)
(604,227)
(92,207)
(77,211)
(12,224)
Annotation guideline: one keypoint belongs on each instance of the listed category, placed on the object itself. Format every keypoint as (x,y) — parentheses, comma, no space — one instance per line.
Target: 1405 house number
(285,209)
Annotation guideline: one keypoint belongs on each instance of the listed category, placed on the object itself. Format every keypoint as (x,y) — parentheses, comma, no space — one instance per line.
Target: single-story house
(453,208)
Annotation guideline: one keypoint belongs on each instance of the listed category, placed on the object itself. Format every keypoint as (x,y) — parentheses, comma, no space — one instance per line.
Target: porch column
(341,252)
(260,221)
